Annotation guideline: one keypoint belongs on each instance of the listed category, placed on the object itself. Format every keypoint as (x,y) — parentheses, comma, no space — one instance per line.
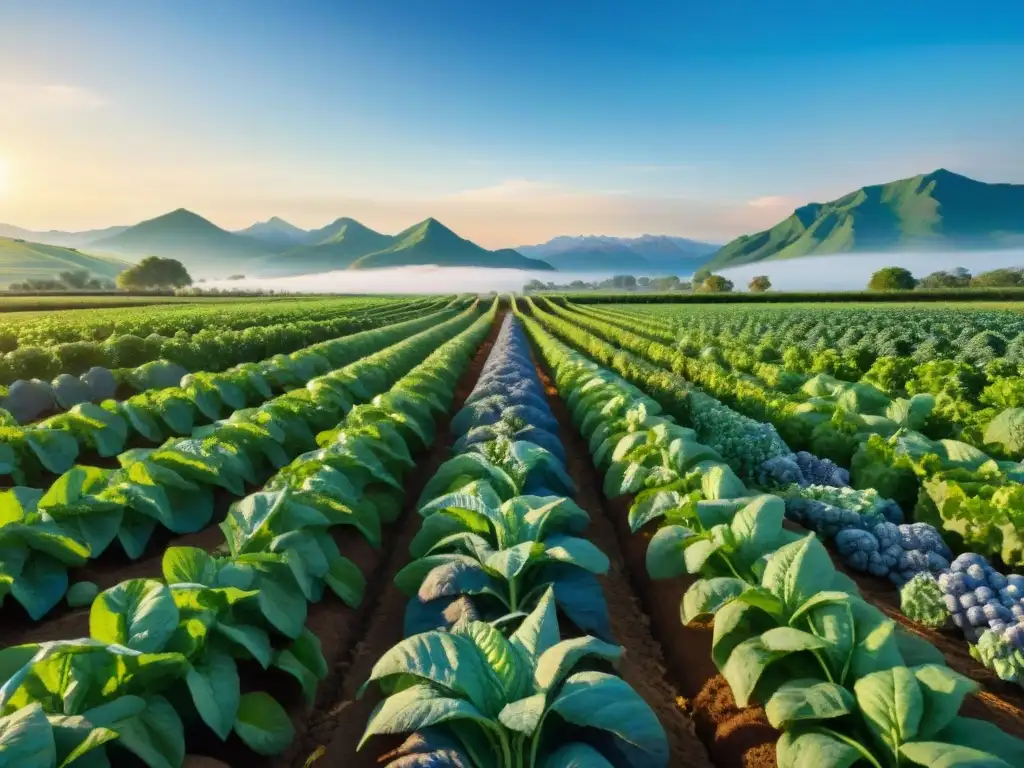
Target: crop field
(511,533)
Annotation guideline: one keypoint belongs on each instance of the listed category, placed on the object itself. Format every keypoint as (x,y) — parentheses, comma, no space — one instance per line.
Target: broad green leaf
(451,661)
(942,693)
(418,707)
(40,585)
(557,661)
(608,703)
(706,596)
(666,552)
(892,705)
(797,571)
(188,565)
(82,593)
(576,551)
(263,724)
(26,739)
(984,736)
(524,715)
(156,735)
(796,749)
(139,614)
(575,755)
(935,754)
(216,690)
(506,661)
(748,661)
(807,699)
(539,631)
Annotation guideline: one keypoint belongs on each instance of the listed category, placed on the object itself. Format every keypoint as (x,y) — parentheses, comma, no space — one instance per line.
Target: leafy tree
(155,272)
(624,281)
(670,283)
(643,281)
(958,278)
(1008,277)
(716,284)
(760,283)
(892,279)
(76,279)
(701,275)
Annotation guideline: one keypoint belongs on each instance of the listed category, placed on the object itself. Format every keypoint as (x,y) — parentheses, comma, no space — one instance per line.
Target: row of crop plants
(164,658)
(863,525)
(52,445)
(486,676)
(842,683)
(45,329)
(46,531)
(976,381)
(975,499)
(43,381)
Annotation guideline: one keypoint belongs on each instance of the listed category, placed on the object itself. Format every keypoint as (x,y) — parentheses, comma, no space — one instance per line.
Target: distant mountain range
(269,248)
(935,211)
(646,255)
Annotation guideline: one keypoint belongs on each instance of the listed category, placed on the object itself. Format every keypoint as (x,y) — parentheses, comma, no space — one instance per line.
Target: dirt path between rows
(643,665)
(336,725)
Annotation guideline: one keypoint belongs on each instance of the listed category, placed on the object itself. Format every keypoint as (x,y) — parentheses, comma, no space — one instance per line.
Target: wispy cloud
(771,201)
(26,96)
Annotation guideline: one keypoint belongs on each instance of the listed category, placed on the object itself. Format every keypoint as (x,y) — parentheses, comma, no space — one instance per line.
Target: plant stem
(853,743)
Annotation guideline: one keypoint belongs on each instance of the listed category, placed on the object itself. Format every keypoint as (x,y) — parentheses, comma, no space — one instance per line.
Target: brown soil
(732,737)
(643,665)
(333,728)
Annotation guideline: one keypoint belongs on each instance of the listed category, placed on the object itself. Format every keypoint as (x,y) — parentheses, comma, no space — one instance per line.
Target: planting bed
(529,516)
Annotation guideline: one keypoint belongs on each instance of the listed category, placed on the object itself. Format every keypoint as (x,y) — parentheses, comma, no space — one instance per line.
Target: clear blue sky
(512,122)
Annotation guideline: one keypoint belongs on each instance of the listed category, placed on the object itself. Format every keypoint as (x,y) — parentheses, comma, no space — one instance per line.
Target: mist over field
(834,272)
(852,271)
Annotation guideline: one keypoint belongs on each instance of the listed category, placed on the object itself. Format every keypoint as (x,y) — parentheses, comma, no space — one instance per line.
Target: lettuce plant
(506,702)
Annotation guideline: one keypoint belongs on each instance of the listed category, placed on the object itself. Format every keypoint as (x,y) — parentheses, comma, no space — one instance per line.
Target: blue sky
(511,122)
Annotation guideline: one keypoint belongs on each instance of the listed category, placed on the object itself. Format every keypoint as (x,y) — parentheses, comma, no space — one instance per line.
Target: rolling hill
(649,254)
(430,242)
(22,260)
(936,211)
(57,237)
(203,247)
(343,242)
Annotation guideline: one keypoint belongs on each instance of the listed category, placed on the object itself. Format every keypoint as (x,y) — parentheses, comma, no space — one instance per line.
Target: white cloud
(49,97)
(771,201)
(511,189)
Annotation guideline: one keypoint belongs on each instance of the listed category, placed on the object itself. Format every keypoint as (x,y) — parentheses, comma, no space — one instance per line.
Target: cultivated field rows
(503,535)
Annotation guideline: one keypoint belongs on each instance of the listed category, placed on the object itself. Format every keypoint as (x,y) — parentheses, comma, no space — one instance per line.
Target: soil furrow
(732,737)
(643,665)
(333,728)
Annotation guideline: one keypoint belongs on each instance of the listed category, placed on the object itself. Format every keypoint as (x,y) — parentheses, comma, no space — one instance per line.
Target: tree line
(901,279)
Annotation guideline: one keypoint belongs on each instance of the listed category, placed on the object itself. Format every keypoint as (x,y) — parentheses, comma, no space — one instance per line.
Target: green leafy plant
(498,701)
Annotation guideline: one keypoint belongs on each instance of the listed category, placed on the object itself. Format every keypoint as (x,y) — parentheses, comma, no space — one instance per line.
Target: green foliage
(760,283)
(892,279)
(715,284)
(155,272)
(921,600)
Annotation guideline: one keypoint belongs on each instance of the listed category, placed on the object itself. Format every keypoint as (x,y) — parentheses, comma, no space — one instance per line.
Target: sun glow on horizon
(5,177)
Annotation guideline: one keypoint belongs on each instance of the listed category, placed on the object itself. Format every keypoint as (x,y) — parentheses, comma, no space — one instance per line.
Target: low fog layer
(846,272)
(852,271)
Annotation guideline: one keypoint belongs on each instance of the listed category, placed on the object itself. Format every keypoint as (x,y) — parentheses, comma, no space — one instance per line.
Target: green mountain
(935,211)
(21,260)
(338,245)
(430,242)
(203,247)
